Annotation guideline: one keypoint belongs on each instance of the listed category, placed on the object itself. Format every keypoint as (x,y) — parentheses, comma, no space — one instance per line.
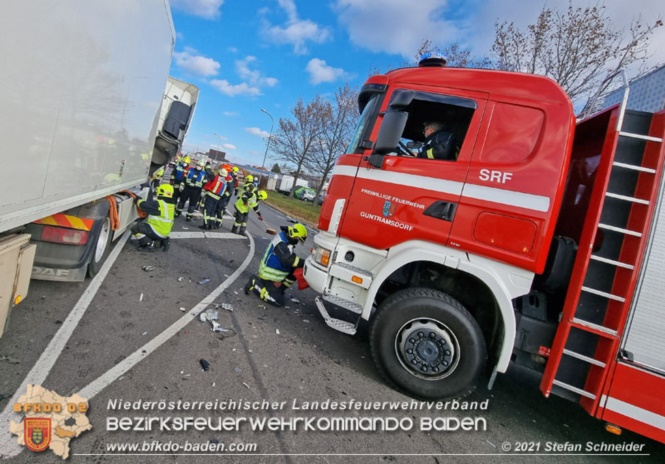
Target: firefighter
(440,143)
(234,173)
(156,178)
(249,185)
(277,265)
(248,200)
(224,201)
(192,192)
(153,231)
(214,189)
(178,176)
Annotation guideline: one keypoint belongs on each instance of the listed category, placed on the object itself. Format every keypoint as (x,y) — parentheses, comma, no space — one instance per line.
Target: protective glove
(260,217)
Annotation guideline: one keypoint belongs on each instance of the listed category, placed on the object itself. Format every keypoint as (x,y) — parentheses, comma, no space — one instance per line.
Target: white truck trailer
(82,89)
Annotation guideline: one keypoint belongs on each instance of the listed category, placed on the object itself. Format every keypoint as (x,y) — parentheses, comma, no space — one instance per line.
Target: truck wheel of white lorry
(425,343)
(101,249)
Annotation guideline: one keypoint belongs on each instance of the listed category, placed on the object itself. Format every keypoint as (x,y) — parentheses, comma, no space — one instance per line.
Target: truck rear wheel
(425,343)
(101,249)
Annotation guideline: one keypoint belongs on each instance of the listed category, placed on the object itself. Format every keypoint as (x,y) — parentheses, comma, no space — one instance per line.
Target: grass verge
(303,211)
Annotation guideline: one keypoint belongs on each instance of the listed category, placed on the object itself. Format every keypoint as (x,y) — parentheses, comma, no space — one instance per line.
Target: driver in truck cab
(440,143)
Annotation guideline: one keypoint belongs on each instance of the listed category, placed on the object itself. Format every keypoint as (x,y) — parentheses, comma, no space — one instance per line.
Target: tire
(101,248)
(426,344)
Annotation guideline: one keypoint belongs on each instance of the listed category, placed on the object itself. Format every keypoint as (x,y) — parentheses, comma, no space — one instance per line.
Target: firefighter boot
(249,286)
(144,242)
(241,230)
(166,244)
(234,229)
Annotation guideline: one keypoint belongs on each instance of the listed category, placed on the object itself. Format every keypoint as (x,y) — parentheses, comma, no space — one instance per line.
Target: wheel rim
(427,349)
(103,239)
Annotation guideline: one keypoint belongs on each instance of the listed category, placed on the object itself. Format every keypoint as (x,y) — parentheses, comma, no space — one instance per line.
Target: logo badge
(37,433)
(389,208)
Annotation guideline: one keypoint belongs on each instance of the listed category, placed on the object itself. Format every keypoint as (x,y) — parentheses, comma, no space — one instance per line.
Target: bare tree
(456,55)
(340,118)
(577,48)
(295,136)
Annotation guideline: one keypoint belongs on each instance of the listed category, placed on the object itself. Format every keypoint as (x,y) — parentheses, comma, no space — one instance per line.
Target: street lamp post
(272,121)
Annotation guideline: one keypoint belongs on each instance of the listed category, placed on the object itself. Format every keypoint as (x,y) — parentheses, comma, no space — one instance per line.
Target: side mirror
(391,131)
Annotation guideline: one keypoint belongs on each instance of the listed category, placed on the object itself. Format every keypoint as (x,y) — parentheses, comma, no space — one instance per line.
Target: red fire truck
(539,241)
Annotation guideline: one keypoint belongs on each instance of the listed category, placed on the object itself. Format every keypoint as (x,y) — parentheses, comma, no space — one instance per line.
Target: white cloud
(230,113)
(191,61)
(320,72)
(208,9)
(232,90)
(256,131)
(252,76)
(388,26)
(229,146)
(296,32)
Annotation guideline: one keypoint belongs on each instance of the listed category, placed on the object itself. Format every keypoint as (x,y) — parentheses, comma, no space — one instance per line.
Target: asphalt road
(134,343)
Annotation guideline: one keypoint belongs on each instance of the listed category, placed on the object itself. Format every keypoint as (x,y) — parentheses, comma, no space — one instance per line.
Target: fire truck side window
(436,126)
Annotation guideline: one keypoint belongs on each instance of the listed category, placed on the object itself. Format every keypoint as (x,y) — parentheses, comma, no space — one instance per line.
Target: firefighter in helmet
(192,192)
(153,231)
(248,200)
(276,271)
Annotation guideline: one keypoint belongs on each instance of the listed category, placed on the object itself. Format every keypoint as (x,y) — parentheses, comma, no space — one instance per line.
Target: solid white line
(8,443)
(224,235)
(130,361)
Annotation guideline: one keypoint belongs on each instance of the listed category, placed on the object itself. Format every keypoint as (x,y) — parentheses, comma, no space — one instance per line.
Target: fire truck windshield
(365,124)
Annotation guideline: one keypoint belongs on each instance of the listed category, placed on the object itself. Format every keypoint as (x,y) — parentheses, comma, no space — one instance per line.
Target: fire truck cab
(487,256)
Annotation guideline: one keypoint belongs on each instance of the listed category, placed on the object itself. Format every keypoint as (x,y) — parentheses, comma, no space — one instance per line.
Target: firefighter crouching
(214,190)
(249,199)
(153,231)
(276,271)
(192,192)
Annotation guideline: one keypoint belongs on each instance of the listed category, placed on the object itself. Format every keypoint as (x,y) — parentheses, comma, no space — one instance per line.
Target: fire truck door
(409,196)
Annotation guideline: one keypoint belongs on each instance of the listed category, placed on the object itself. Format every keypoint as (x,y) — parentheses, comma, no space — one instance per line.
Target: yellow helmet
(249,179)
(235,169)
(297,232)
(186,160)
(165,190)
(262,195)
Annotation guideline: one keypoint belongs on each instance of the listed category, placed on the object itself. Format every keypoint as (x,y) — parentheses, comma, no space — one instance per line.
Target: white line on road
(8,444)
(130,361)
(206,235)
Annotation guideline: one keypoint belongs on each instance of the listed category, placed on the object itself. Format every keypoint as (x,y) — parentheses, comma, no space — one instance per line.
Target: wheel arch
(494,280)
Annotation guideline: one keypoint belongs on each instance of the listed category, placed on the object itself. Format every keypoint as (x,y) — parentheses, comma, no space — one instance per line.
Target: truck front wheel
(425,343)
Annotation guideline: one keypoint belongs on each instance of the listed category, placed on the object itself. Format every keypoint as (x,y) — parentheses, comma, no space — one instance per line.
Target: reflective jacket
(195,178)
(216,186)
(160,215)
(246,201)
(179,173)
(279,260)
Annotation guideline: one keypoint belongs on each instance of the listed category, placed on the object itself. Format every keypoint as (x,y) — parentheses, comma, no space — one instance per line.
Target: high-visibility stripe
(64,220)
(465,190)
(634,412)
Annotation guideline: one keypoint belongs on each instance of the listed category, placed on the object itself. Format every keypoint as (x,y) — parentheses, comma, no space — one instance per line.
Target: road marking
(130,361)
(8,444)
(206,235)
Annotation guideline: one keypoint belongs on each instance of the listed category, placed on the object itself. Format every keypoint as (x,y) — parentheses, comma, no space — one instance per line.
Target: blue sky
(248,55)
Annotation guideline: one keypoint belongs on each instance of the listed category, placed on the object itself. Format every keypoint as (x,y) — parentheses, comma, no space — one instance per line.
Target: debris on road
(204,281)
(148,268)
(295,300)
(210,315)
(183,309)
(9,359)
(145,333)
(218,328)
(305,320)
(141,297)
(180,279)
(246,385)
(277,331)
(227,307)
(204,364)
(237,369)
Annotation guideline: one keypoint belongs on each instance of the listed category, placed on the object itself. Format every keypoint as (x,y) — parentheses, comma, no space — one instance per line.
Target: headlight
(321,256)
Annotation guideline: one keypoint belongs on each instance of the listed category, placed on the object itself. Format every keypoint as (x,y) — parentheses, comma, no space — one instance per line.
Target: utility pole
(272,121)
